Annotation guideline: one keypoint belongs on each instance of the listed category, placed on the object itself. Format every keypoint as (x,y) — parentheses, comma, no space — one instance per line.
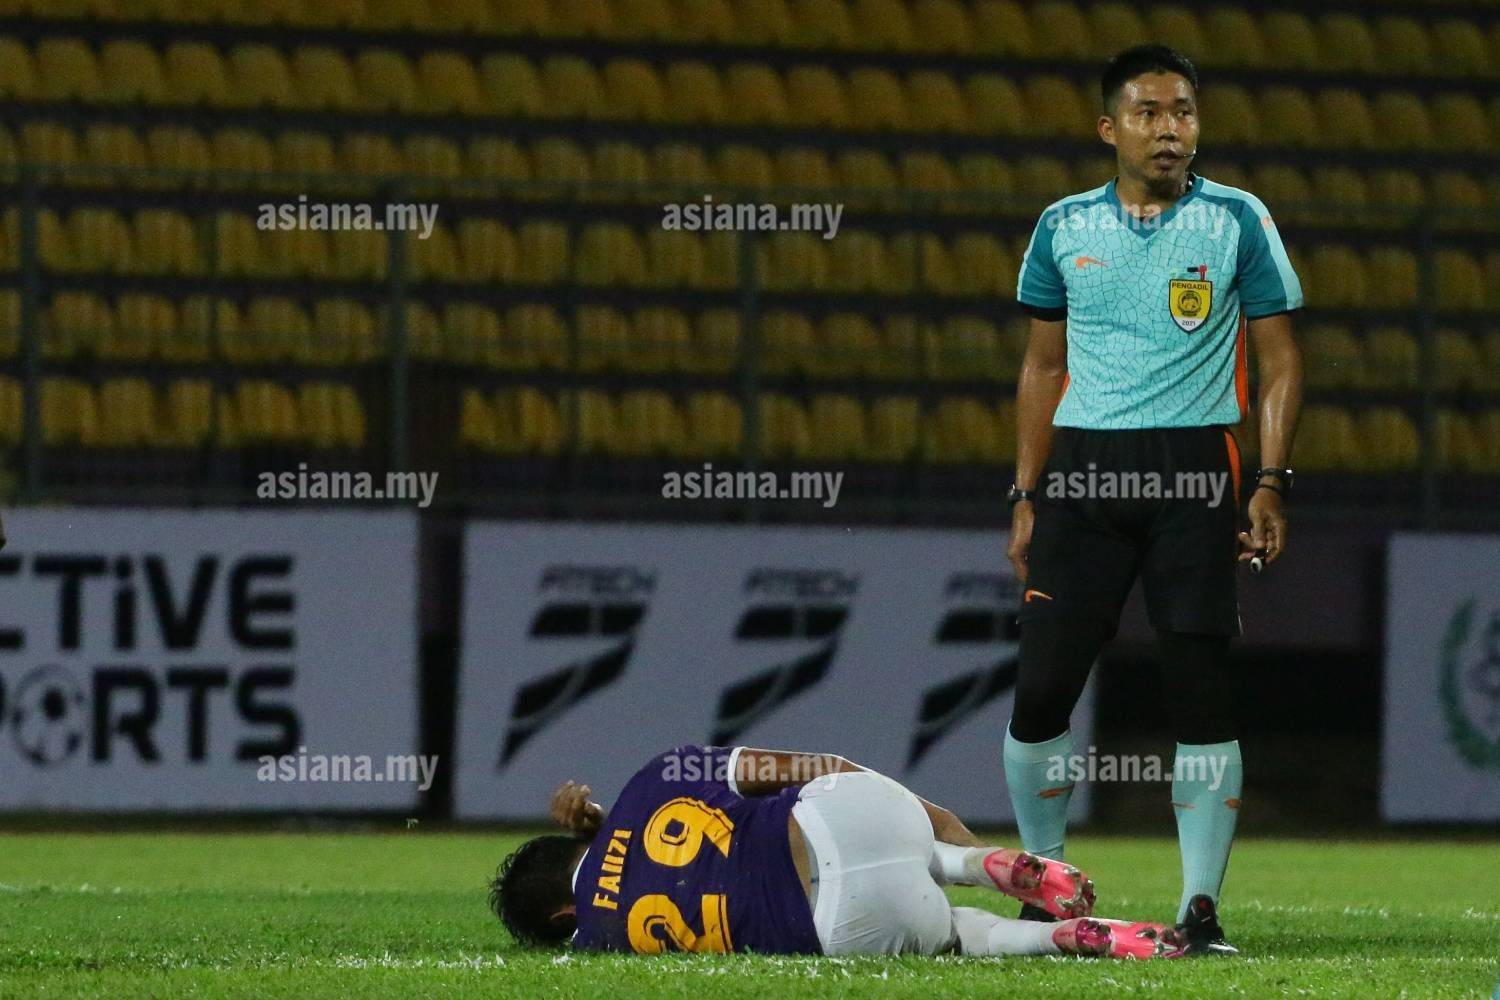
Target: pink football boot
(1119,939)
(1054,886)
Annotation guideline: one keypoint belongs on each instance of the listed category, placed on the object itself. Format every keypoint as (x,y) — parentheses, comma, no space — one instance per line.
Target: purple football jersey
(683,863)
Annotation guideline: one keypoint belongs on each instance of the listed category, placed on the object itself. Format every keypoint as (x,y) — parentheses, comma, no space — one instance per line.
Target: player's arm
(1044,372)
(767,772)
(573,811)
(1279,363)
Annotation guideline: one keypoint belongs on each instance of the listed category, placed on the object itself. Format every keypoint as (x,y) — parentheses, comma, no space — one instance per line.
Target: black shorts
(1174,522)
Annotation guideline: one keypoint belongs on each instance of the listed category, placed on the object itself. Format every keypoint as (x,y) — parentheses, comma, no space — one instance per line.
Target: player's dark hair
(531,885)
(1138,61)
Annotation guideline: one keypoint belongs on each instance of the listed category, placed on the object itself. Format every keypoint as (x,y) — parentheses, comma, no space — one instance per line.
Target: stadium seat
(476,422)
(1288,115)
(196,75)
(716,342)
(1404,120)
(522,17)
(1233,114)
(591,420)
(358,254)
(272,327)
(753,95)
(633,92)
(560,161)
(704,22)
(1345,118)
(572,89)
(837,426)
(1060,31)
(1333,358)
(1347,44)
(1327,439)
(784,432)
(1388,440)
(968,347)
(603,339)
(12,405)
(535,339)
(1236,37)
(100,242)
(116,153)
(894,429)
(394,15)
(621,168)
(1458,446)
(169,147)
(1459,48)
(983,266)
(883,26)
(529,422)
(609,255)
(72,323)
(943,26)
(857,262)
(386,82)
(66,70)
(1459,280)
(1403,47)
(131,73)
(920,261)
(487,252)
(448,84)
(1057,105)
(850,346)
(265,413)
(1114,26)
(1178,28)
(1392,279)
(187,414)
(928,174)
(342,333)
(70,413)
(259,77)
(1464,126)
(650,424)
(877,100)
(788,345)
(471,334)
(430,156)
(10,323)
(17,72)
(821,24)
(996,106)
(661,340)
(323,80)
(1391,359)
(238,154)
(202,323)
(815,98)
(693,93)
(1336,277)
(936,102)
(139,318)
(543,252)
(1459,361)
(491,158)
(715,426)
(674,259)
(127,413)
(512,87)
(798,262)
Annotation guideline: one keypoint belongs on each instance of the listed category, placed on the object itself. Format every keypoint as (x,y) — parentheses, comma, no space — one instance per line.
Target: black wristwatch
(1285,475)
(1015,495)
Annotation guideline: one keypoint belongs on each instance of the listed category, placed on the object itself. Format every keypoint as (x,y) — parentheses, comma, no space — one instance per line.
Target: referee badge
(1190,299)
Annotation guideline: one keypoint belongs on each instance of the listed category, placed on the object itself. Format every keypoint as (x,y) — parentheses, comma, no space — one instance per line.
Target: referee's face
(1154,128)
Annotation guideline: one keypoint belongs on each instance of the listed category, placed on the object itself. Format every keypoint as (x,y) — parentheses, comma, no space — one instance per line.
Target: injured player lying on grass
(717,849)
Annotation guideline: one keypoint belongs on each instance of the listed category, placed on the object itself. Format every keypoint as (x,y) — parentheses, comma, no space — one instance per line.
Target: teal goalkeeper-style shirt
(1156,309)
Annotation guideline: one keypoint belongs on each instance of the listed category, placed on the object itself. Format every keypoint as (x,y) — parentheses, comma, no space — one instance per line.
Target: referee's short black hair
(1137,61)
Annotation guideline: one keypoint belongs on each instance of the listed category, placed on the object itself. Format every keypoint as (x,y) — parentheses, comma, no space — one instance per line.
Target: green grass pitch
(294,915)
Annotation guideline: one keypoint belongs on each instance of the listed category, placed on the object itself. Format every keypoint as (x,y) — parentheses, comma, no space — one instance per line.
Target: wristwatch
(1015,495)
(1285,475)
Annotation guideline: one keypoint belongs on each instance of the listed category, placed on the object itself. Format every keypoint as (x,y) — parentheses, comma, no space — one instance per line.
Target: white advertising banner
(155,659)
(1440,750)
(587,649)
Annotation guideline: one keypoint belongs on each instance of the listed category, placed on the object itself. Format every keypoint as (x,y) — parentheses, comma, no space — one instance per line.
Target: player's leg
(1054,886)
(981,932)
(1079,570)
(1189,577)
(869,842)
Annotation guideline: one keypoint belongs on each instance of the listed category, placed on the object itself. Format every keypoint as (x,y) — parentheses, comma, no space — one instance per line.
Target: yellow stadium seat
(544,252)
(196,75)
(1487,429)
(259,77)
(1236,36)
(328,13)
(187,413)
(1492,280)
(851,345)
(943,26)
(295,253)
(1333,358)
(1459,361)
(476,421)
(47,144)
(837,426)
(529,422)
(1233,114)
(272,327)
(572,20)
(366,154)
(609,255)
(603,339)
(113,150)
(867,172)
(1405,123)
(70,413)
(1465,128)
(675,259)
(178,149)
(522,17)
(715,426)
(650,425)
(449,85)
(495,159)
(266,413)
(165,243)
(883,26)
(716,342)
(10,323)
(323,80)
(535,338)
(101,242)
(788,344)
(472,336)
(920,262)
(936,102)
(764,22)
(1392,279)
(1459,448)
(805,168)
(1459,48)
(349,417)
(127,413)
(1346,119)
(1060,108)
(66,70)
(784,432)
(431,156)
(17,72)
(11,409)
(983,266)
(386,82)
(1060,30)
(928,174)
(1460,282)
(704,21)
(621,170)
(1347,44)
(1001,27)
(633,92)
(1391,359)
(202,321)
(395,15)
(1178,28)
(358,254)
(488,252)
(962,430)
(743,166)
(1395,190)
(822,24)
(753,95)
(1114,26)
(573,89)
(342,333)
(73,323)
(1335,277)
(434,258)
(1043,177)
(693,93)
(877,100)
(661,340)
(1282,186)
(592,421)
(995,107)
(967,347)
(305,154)
(894,429)
(1403,47)
(1461,193)
(131,73)
(1388,440)
(512,86)
(985,177)
(642,19)
(815,98)
(1288,114)
(560,161)
(315,415)
(234,247)
(239,153)
(858,262)
(1327,439)
(797,261)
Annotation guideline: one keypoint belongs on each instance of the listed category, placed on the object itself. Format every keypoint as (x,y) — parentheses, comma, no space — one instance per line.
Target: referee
(1140,294)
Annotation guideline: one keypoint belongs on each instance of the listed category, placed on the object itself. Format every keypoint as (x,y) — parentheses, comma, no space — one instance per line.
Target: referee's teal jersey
(1157,308)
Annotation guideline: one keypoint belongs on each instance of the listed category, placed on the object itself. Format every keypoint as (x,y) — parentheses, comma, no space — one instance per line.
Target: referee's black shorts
(1099,523)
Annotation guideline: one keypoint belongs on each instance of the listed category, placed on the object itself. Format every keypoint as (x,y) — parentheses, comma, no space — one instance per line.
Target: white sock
(981,932)
(954,865)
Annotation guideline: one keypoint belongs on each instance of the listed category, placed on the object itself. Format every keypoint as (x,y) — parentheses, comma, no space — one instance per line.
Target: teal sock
(1206,782)
(1039,790)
